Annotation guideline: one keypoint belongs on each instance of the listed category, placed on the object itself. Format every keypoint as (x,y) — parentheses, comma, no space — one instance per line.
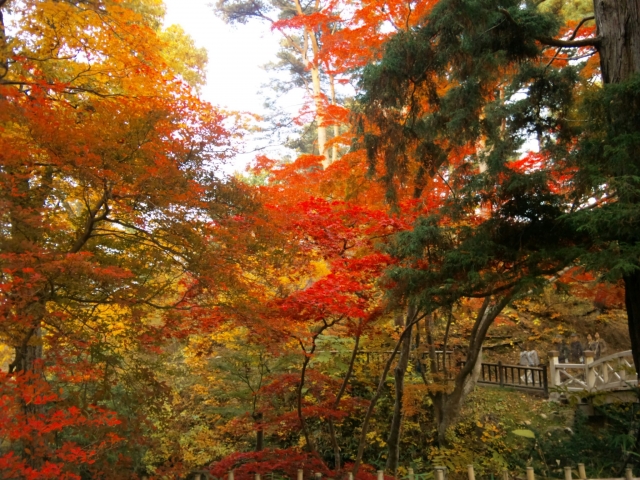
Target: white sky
(234,73)
(235,53)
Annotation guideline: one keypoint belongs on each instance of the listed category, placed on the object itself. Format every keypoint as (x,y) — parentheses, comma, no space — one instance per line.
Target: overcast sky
(235,53)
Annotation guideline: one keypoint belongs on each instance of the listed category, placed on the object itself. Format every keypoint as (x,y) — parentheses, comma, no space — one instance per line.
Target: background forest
(479,193)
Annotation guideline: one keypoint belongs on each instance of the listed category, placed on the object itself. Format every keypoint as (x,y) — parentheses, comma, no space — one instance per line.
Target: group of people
(574,351)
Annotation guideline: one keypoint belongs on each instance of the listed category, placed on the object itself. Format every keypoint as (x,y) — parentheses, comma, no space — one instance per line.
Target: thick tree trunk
(447,405)
(618,23)
(393,440)
(259,432)
(4,54)
(320,117)
(632,302)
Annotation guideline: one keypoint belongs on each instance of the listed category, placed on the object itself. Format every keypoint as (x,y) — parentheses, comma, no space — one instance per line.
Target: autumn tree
(110,197)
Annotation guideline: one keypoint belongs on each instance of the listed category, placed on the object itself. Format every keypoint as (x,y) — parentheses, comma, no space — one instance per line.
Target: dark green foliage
(605,443)
(608,159)
(467,45)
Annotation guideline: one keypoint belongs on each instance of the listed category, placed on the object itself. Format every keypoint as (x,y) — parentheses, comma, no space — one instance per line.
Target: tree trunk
(367,417)
(4,54)
(447,405)
(259,432)
(336,129)
(393,440)
(618,23)
(632,302)
(320,118)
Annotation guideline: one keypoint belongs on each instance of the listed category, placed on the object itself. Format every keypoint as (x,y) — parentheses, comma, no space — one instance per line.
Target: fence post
(196,476)
(257,476)
(628,473)
(471,473)
(380,474)
(410,474)
(350,476)
(505,474)
(230,474)
(318,475)
(567,473)
(300,474)
(581,471)
(530,474)
(590,376)
(500,373)
(553,371)
(439,473)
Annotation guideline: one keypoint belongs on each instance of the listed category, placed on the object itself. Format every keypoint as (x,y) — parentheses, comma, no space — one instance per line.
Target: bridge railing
(518,376)
(613,372)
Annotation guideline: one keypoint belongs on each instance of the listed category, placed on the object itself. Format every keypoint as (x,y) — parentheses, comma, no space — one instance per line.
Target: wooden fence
(439,473)
(517,376)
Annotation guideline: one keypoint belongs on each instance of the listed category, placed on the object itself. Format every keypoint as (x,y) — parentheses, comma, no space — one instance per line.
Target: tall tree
(109,197)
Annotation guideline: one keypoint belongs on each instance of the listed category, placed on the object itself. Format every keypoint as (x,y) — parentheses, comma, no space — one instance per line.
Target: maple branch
(307,358)
(92,219)
(367,418)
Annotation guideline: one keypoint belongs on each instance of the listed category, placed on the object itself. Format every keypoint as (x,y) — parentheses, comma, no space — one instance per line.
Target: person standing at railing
(576,353)
(560,346)
(528,358)
(600,346)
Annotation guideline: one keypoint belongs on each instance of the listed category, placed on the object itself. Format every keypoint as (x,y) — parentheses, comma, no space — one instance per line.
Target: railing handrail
(613,356)
(500,364)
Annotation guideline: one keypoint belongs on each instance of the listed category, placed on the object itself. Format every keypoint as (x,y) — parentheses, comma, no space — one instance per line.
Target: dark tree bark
(393,440)
(336,404)
(618,23)
(632,302)
(447,404)
(367,417)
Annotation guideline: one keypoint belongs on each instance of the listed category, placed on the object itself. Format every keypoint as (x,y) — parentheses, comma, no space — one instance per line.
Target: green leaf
(525,433)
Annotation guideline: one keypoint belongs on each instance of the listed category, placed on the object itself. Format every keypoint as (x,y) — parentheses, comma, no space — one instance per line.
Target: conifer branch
(556,42)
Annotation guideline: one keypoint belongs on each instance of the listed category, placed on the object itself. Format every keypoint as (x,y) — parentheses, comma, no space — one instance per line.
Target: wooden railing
(518,376)
(613,372)
(439,473)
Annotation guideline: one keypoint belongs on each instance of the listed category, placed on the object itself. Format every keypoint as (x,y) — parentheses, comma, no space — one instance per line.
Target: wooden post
(410,475)
(500,374)
(590,376)
(622,369)
(196,476)
(230,474)
(257,476)
(628,473)
(318,475)
(581,471)
(567,473)
(505,474)
(553,371)
(380,474)
(350,476)
(530,474)
(471,473)
(439,473)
